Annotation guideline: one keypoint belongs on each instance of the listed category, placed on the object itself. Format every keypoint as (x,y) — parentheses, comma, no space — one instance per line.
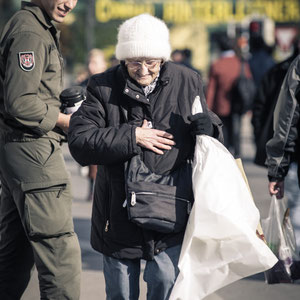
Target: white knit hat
(143,36)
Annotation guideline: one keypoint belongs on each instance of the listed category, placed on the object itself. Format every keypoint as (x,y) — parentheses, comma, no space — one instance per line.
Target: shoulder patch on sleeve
(26,60)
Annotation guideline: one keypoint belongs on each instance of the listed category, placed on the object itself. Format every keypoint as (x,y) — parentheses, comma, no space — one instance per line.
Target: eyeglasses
(149,63)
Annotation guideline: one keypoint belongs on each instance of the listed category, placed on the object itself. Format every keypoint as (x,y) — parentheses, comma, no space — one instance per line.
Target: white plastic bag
(280,238)
(220,244)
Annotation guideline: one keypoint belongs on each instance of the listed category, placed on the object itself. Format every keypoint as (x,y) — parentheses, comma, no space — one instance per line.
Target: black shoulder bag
(158,202)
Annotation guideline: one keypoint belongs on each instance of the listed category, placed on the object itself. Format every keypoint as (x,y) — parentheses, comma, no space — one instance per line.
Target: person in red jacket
(222,75)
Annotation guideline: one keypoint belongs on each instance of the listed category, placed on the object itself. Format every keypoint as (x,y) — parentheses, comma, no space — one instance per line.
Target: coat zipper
(107,208)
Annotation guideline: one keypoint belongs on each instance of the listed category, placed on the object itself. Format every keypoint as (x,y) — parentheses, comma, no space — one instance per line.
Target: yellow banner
(206,11)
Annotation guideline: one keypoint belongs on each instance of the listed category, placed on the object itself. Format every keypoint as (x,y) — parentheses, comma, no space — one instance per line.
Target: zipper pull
(125,203)
(61,190)
(189,207)
(149,124)
(106,226)
(133,199)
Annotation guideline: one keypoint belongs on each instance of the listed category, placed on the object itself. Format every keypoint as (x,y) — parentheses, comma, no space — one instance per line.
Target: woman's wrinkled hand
(153,139)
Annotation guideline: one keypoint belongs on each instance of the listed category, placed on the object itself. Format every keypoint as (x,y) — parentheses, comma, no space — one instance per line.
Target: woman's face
(143,70)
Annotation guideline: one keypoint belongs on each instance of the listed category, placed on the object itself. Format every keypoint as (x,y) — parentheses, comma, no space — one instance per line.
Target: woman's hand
(153,139)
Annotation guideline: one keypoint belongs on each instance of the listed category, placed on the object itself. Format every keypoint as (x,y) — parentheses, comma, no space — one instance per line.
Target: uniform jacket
(284,144)
(223,73)
(30,75)
(99,134)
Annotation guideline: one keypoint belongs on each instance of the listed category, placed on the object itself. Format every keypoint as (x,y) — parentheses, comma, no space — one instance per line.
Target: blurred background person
(177,56)
(261,59)
(113,61)
(222,75)
(96,64)
(183,57)
(187,59)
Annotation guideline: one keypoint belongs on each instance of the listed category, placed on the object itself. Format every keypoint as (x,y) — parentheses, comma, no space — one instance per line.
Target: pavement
(93,288)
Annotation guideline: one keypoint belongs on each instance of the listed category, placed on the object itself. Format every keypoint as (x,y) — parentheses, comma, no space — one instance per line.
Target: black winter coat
(264,105)
(283,147)
(99,134)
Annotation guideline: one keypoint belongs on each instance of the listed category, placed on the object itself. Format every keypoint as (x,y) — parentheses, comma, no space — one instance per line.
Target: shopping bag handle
(197,106)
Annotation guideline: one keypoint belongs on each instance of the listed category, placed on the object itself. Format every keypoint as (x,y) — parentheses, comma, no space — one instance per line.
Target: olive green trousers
(36,225)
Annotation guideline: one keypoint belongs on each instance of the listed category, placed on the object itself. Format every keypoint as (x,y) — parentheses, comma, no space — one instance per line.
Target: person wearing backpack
(140,107)
(223,74)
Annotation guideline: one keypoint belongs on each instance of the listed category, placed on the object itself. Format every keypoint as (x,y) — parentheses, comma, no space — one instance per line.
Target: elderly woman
(140,107)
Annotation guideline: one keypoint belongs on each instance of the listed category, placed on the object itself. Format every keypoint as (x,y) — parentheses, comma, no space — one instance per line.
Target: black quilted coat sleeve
(95,134)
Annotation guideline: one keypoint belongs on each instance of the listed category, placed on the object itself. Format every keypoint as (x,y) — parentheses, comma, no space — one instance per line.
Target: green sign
(206,11)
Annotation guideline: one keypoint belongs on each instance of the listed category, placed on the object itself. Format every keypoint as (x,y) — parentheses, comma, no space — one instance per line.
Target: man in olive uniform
(36,225)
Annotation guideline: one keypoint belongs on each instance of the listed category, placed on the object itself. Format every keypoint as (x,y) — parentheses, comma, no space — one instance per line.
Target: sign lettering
(206,11)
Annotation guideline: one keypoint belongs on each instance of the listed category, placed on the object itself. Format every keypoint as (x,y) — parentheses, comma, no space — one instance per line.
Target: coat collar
(42,16)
